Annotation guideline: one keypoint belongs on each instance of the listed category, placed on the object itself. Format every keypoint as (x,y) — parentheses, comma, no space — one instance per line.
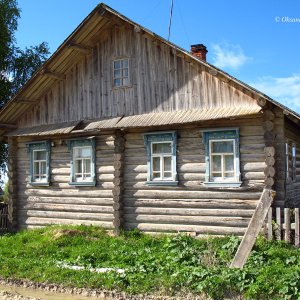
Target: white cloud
(230,56)
(285,90)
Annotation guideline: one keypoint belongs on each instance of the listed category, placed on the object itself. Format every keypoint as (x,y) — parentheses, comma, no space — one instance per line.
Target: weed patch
(163,264)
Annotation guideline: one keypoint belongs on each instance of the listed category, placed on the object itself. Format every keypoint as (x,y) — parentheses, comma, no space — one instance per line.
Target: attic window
(121,72)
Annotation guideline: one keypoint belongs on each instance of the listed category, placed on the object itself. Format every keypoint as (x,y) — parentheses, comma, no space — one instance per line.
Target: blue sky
(255,41)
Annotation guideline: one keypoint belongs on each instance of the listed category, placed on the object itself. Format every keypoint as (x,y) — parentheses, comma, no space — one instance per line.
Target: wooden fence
(283,224)
(3,218)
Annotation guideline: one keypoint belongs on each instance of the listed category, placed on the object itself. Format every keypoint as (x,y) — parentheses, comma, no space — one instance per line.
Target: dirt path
(19,293)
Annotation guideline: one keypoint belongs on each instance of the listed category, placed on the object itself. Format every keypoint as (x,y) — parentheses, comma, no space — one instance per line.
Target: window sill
(161,183)
(223,184)
(92,183)
(39,183)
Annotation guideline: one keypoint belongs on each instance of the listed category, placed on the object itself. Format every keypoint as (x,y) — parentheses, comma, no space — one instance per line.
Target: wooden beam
(253,229)
(27,101)
(54,75)
(8,126)
(80,48)
(261,102)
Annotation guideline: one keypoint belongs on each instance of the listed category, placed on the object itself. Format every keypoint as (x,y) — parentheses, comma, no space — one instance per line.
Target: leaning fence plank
(297,227)
(253,229)
(270,225)
(287,223)
(278,223)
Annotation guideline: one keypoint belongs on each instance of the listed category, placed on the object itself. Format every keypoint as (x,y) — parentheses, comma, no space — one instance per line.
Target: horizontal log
(188,211)
(195,220)
(86,192)
(65,208)
(191,203)
(53,221)
(253,166)
(65,215)
(65,200)
(254,175)
(219,230)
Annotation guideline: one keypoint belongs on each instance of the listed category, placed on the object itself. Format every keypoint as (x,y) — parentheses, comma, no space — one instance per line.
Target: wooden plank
(253,229)
(278,223)
(270,225)
(297,228)
(287,223)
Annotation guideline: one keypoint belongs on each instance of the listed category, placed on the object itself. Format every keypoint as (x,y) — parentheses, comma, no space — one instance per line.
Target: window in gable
(82,162)
(39,162)
(121,72)
(222,157)
(161,158)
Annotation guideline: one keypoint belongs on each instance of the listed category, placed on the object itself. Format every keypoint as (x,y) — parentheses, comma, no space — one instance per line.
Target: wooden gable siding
(61,203)
(191,206)
(161,80)
(292,134)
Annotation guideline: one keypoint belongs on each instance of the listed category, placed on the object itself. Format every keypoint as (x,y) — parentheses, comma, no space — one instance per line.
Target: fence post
(278,222)
(287,223)
(297,225)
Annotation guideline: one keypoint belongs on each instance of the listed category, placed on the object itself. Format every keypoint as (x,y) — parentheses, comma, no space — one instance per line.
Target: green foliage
(16,65)
(163,264)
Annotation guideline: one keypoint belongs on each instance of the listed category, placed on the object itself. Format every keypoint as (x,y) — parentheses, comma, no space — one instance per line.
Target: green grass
(165,264)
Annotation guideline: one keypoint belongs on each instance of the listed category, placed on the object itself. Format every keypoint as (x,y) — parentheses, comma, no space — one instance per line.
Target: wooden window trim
(82,143)
(155,138)
(121,59)
(222,134)
(33,147)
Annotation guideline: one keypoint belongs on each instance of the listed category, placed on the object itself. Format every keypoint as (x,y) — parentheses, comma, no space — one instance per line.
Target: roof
(101,17)
(139,121)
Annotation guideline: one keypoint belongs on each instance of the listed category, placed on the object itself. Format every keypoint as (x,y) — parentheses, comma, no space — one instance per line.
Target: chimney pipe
(199,51)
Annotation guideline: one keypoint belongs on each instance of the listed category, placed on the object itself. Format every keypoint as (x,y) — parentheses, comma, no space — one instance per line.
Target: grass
(165,264)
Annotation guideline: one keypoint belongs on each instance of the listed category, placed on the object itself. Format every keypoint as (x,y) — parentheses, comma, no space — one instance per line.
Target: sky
(255,41)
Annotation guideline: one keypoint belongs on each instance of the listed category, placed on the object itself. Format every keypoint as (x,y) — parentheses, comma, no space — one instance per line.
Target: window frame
(82,143)
(121,59)
(32,148)
(151,139)
(294,162)
(216,135)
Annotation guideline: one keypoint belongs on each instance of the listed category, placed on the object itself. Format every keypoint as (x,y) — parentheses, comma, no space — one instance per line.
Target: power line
(170,23)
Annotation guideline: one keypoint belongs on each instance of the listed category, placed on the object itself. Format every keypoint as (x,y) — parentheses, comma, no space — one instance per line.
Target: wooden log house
(123,129)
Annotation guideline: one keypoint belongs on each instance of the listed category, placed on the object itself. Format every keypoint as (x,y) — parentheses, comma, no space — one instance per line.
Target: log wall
(161,79)
(292,133)
(191,206)
(61,203)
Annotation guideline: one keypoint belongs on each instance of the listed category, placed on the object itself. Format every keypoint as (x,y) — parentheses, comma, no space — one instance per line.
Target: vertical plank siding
(61,203)
(160,80)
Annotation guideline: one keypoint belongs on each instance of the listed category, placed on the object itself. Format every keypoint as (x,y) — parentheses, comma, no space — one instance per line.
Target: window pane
(43,167)
(117,73)
(86,152)
(125,72)
(156,175)
(156,164)
(117,64)
(229,174)
(117,82)
(78,166)
(36,168)
(162,148)
(125,63)
(167,174)
(87,166)
(216,163)
(167,163)
(39,155)
(125,81)
(216,174)
(222,147)
(229,163)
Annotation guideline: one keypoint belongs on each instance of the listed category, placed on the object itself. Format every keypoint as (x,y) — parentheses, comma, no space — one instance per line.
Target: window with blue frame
(161,158)
(39,162)
(222,157)
(82,153)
